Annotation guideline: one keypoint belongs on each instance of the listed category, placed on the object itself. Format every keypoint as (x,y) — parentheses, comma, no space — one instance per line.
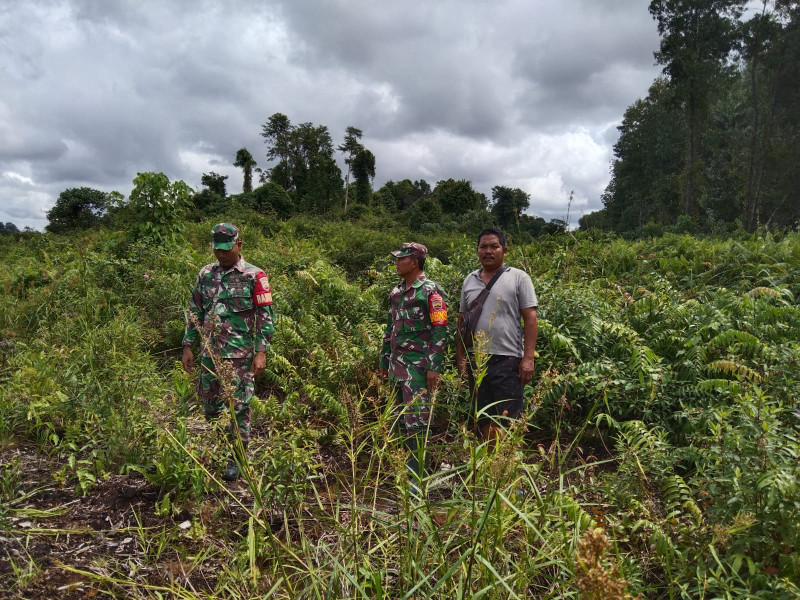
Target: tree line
(301,176)
(715,145)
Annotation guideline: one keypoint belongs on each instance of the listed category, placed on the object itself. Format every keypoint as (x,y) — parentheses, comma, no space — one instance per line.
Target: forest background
(661,452)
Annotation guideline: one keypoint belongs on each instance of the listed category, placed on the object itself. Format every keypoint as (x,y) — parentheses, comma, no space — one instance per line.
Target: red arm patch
(437,309)
(262,294)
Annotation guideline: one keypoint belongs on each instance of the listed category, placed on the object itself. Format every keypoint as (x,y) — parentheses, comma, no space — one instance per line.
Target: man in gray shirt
(510,326)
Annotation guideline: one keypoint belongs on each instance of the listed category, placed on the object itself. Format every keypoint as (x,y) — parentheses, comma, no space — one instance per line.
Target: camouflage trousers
(415,413)
(209,391)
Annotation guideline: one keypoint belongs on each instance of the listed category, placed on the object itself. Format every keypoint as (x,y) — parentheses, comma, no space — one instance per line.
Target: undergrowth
(663,411)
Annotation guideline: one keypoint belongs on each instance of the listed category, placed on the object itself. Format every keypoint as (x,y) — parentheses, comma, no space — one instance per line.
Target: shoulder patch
(262,294)
(437,309)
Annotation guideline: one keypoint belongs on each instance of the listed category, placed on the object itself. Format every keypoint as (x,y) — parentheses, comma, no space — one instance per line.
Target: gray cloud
(505,93)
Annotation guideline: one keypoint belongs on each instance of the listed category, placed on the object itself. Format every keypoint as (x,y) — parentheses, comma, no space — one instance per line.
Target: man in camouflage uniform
(413,347)
(232,304)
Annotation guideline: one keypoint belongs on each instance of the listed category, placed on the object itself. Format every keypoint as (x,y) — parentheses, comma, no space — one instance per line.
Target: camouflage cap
(224,236)
(411,249)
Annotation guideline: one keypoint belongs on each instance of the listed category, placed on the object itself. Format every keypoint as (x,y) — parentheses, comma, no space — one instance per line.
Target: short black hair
(420,261)
(493,231)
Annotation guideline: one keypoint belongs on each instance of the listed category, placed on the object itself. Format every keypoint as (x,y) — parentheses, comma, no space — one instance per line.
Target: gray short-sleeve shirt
(501,318)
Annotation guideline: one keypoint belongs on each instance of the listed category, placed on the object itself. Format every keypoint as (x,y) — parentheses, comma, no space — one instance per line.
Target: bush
(271,198)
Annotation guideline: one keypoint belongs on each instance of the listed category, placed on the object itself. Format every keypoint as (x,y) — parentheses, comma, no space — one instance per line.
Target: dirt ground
(54,544)
(47,534)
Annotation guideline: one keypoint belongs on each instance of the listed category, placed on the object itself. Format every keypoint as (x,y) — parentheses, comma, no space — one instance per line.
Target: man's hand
(259,363)
(187,360)
(433,381)
(526,369)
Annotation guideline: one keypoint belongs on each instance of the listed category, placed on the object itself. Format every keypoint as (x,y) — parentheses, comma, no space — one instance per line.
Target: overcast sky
(518,93)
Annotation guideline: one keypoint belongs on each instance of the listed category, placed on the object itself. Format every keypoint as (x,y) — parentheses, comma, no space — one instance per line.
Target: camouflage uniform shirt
(234,308)
(416,330)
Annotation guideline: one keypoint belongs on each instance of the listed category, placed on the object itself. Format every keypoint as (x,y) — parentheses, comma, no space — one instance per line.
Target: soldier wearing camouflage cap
(232,304)
(413,348)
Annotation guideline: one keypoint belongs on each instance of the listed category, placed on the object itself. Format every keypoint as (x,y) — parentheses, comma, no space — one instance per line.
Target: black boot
(231,472)
(415,463)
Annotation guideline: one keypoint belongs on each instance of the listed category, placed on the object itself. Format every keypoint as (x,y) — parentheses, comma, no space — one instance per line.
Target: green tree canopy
(271,198)
(8,228)
(508,204)
(305,167)
(423,188)
(215,183)
(715,140)
(156,209)
(400,195)
(458,197)
(276,133)
(77,208)
(425,212)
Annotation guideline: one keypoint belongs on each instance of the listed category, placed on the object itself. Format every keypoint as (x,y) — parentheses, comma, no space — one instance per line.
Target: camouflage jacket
(416,329)
(234,308)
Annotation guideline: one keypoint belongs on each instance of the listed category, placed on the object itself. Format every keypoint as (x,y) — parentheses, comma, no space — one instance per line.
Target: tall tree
(215,183)
(350,147)
(745,149)
(697,36)
(246,162)
(508,204)
(323,185)
(645,182)
(277,134)
(772,46)
(306,167)
(364,172)
(77,208)
(314,173)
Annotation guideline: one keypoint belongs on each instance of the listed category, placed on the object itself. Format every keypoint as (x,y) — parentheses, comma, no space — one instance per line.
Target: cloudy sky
(521,93)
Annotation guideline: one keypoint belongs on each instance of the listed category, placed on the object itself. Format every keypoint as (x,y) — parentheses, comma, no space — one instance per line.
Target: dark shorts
(500,389)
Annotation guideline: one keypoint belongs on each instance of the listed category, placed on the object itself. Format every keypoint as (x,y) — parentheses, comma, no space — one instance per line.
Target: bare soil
(47,534)
(56,545)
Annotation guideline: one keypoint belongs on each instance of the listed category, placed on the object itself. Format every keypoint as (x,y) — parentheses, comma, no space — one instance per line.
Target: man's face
(228,258)
(491,253)
(405,265)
